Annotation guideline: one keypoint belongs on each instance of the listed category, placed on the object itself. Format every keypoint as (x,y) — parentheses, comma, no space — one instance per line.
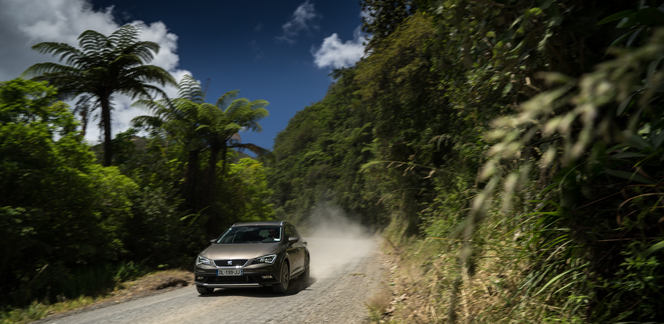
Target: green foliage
(638,22)
(101,66)
(57,207)
(247,196)
(599,138)
(204,130)
(158,236)
(454,100)
(453,90)
(319,155)
(443,215)
(91,280)
(84,227)
(381,18)
(400,87)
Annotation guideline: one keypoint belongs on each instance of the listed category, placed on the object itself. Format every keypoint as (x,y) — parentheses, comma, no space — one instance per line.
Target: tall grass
(502,281)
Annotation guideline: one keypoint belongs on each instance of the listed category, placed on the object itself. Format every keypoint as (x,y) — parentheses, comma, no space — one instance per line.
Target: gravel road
(345,273)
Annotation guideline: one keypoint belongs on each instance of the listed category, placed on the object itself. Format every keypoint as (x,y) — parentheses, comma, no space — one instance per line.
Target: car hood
(239,251)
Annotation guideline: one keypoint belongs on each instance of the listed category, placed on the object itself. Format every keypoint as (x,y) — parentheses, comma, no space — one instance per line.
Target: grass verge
(430,284)
(149,284)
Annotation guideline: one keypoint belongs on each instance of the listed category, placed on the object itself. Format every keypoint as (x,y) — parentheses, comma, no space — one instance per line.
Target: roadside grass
(378,304)
(498,285)
(38,310)
(122,291)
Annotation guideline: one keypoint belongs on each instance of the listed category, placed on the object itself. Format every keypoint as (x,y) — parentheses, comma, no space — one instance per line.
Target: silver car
(253,255)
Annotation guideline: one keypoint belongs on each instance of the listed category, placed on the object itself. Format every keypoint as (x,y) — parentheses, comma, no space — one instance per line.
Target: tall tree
(221,124)
(201,126)
(101,66)
(178,119)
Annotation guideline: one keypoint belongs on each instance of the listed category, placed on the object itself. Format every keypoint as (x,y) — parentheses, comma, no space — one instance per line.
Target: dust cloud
(336,243)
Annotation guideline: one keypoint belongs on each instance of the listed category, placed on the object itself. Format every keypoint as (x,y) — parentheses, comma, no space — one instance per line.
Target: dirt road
(345,274)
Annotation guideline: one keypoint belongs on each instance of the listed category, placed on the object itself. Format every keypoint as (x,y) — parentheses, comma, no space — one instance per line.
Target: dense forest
(509,152)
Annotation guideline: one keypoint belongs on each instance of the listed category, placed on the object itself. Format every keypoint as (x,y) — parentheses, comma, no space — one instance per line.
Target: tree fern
(100,66)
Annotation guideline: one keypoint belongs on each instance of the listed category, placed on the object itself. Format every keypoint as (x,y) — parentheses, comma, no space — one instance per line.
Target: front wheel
(307,272)
(202,290)
(282,286)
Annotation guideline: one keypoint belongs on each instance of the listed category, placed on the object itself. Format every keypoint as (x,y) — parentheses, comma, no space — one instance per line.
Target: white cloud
(336,54)
(368,15)
(302,20)
(24,23)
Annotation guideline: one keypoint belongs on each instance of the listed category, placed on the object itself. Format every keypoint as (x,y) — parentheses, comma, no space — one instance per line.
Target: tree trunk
(211,177)
(215,219)
(224,150)
(191,181)
(106,122)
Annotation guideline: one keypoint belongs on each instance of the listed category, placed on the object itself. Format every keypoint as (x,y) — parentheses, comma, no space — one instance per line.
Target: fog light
(267,277)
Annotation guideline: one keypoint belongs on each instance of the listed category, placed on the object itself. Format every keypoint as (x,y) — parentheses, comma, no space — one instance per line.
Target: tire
(307,272)
(202,290)
(282,286)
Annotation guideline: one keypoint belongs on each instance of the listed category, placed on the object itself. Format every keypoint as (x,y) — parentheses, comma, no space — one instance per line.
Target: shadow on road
(296,285)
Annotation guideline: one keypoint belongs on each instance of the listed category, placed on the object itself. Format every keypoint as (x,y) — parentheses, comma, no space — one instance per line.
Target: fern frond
(227,98)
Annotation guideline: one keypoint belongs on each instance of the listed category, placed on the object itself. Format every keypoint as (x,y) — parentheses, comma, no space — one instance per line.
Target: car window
(250,234)
(297,234)
(271,234)
(291,232)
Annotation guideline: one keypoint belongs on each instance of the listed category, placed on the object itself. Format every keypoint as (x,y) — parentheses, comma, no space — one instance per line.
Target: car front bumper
(255,275)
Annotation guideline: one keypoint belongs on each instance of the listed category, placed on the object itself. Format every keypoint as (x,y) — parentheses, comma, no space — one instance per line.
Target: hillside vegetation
(510,150)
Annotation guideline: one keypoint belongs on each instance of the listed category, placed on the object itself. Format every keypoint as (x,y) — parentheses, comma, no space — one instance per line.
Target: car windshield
(251,234)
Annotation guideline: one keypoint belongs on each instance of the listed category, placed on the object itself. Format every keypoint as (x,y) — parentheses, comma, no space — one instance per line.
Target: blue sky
(279,51)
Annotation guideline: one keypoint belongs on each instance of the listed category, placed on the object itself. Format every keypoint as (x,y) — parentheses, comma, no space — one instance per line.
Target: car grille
(225,263)
(231,280)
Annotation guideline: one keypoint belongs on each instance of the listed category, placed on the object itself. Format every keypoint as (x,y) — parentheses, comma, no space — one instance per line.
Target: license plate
(229,272)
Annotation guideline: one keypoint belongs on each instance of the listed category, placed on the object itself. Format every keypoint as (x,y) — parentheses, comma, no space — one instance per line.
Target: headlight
(201,260)
(266,259)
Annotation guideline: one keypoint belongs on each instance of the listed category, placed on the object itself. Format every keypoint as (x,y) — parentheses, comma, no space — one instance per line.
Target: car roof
(275,223)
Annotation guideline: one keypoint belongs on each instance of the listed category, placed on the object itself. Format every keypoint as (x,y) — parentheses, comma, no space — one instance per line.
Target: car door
(302,247)
(295,250)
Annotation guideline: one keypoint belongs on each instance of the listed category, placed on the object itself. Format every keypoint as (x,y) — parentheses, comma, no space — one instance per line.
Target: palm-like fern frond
(190,89)
(227,98)
(204,126)
(251,147)
(103,65)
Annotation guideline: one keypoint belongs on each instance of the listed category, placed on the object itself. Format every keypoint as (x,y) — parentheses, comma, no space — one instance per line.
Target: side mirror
(293,239)
(213,240)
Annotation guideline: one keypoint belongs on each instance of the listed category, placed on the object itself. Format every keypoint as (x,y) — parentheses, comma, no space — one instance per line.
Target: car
(256,254)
